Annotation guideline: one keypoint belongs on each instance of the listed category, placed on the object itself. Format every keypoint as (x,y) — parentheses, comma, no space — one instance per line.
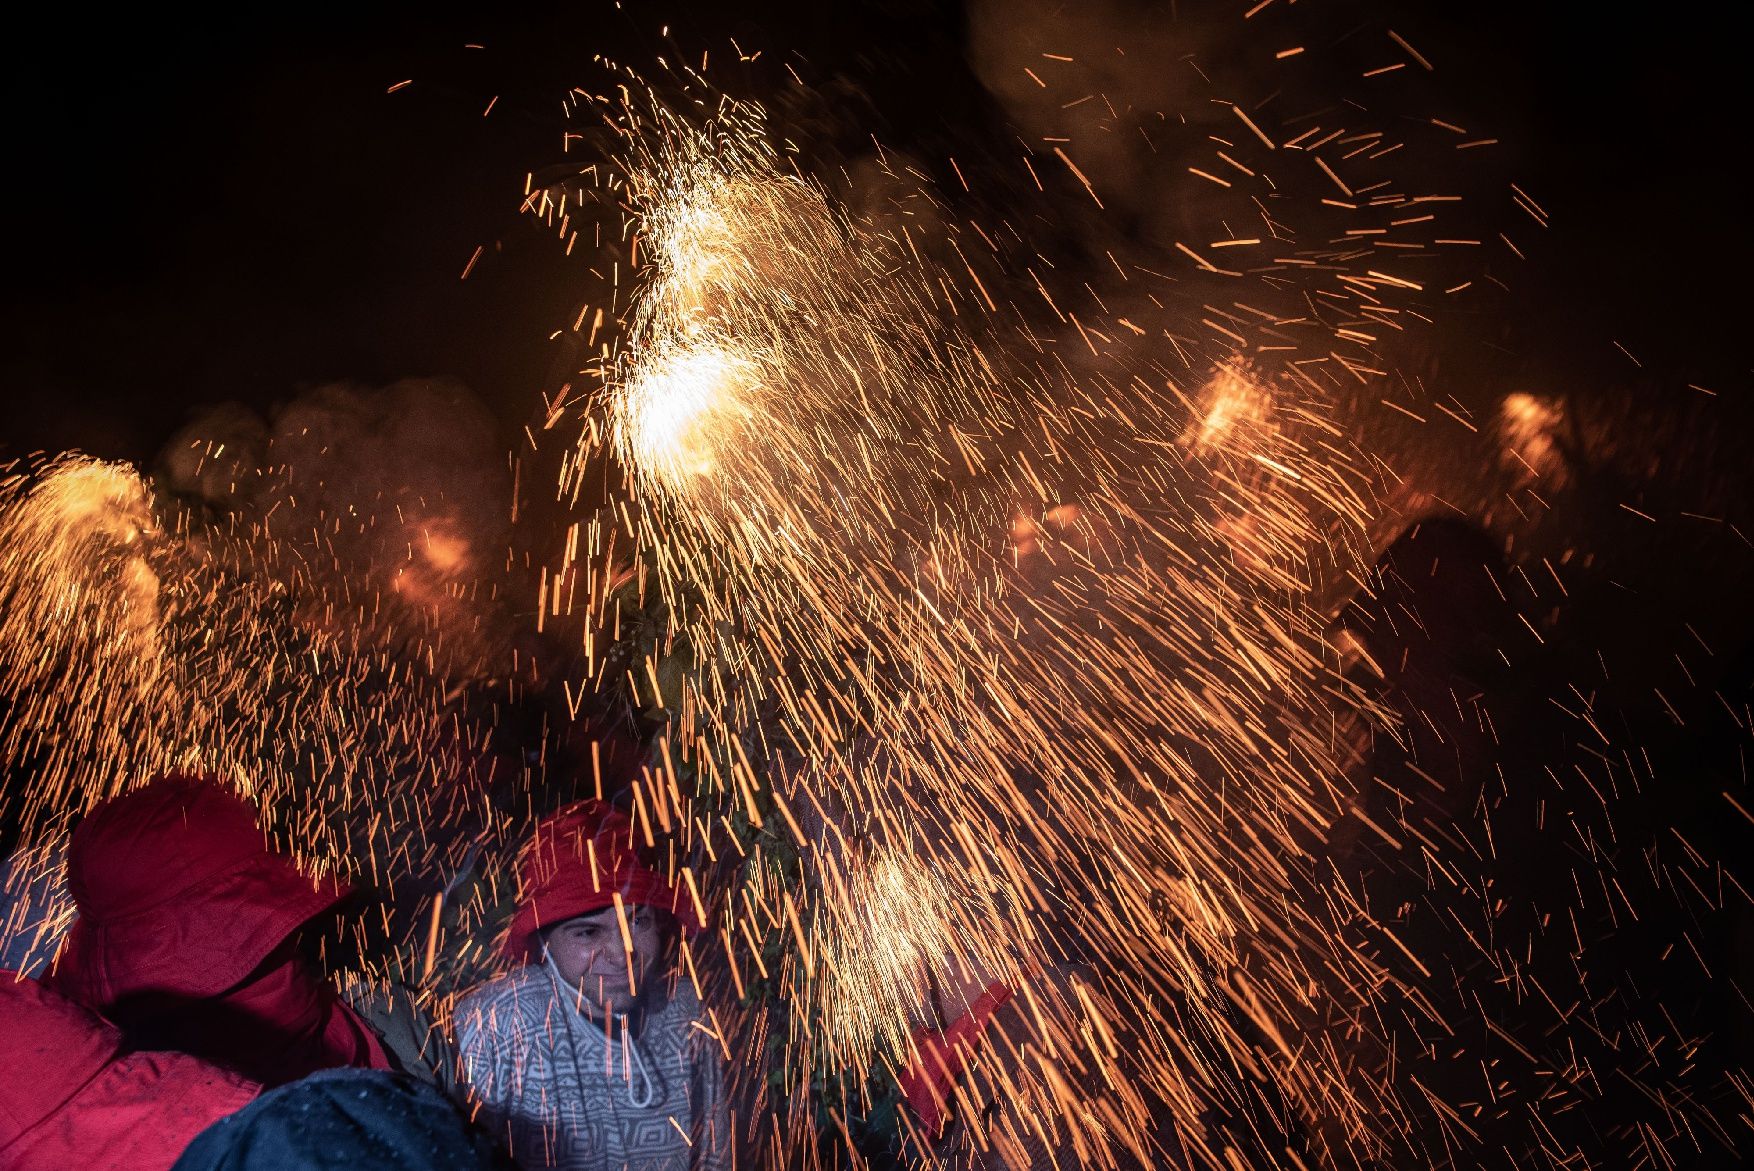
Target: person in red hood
(591,1054)
(71,1097)
(187,939)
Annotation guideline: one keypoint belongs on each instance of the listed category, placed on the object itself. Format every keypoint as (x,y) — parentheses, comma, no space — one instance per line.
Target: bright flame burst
(82,622)
(679,408)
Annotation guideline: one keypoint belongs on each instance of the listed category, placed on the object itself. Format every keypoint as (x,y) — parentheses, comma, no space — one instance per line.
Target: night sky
(236,209)
(232,207)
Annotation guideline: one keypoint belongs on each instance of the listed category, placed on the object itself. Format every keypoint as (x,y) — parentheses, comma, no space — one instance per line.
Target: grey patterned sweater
(570,1097)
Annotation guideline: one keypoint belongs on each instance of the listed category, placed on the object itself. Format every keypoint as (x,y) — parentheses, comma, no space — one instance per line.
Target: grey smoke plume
(396,499)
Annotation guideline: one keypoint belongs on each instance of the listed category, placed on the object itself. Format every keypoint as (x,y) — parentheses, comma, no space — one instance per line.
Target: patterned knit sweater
(573,1096)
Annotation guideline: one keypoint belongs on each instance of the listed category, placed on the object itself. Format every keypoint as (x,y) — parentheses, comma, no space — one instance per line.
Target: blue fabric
(351,1120)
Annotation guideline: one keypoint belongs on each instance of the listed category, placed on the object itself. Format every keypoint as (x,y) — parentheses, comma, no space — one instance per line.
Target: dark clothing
(404,1032)
(351,1120)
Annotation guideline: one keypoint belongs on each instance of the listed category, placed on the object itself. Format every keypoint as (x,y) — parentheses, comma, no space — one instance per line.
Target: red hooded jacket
(185,912)
(70,1098)
(579,860)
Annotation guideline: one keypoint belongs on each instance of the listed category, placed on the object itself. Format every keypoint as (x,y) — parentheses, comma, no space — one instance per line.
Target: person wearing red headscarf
(71,1096)
(590,1054)
(187,939)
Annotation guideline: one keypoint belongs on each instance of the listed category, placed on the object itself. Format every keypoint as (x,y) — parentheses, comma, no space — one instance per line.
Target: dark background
(232,207)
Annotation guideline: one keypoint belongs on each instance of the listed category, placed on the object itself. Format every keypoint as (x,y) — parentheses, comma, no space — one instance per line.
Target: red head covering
(179,895)
(929,1081)
(68,1098)
(577,861)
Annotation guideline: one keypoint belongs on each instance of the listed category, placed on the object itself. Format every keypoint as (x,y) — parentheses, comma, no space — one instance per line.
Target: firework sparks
(141,636)
(1035,590)
(1106,691)
(83,617)
(986,613)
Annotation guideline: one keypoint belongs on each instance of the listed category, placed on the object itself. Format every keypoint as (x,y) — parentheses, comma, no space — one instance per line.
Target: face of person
(590,955)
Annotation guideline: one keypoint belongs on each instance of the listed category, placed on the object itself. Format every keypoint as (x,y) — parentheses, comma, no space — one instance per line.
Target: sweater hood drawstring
(630,1047)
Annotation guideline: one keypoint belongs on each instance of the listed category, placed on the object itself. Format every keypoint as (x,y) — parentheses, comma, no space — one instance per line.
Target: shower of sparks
(83,615)
(889,923)
(1048,640)
(1006,610)
(1029,641)
(138,638)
